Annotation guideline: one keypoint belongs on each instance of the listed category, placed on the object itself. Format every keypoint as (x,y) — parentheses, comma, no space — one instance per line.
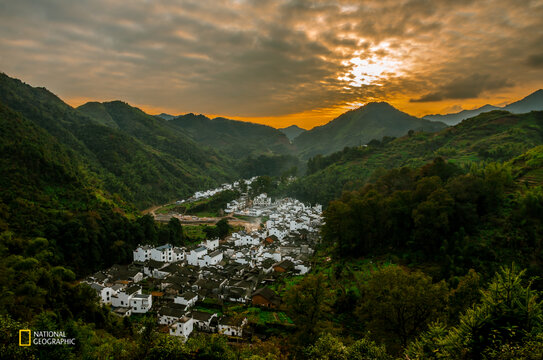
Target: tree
(176,232)
(308,303)
(398,305)
(431,221)
(222,228)
(328,347)
(508,313)
(506,323)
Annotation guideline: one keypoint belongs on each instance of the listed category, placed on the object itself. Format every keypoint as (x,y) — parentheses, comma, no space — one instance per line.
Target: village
(185,287)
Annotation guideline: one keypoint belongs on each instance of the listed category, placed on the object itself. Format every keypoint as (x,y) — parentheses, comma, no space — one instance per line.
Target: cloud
(465,88)
(270,58)
(535,60)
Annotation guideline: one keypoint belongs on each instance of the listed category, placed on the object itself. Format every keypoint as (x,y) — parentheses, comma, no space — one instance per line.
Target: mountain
(292,131)
(120,149)
(358,127)
(238,139)
(453,119)
(50,195)
(166,116)
(492,136)
(531,102)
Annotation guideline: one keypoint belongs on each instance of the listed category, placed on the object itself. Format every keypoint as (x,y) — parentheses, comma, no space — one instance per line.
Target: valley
(152,233)
(197,287)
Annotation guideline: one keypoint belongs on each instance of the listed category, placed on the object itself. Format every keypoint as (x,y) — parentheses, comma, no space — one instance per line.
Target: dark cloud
(465,88)
(270,58)
(535,60)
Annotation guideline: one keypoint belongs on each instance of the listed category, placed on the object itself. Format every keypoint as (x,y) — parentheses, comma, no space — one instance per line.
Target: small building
(169,315)
(232,326)
(211,260)
(212,244)
(284,266)
(182,327)
(195,255)
(141,303)
(202,320)
(142,253)
(122,298)
(265,297)
(187,298)
(162,253)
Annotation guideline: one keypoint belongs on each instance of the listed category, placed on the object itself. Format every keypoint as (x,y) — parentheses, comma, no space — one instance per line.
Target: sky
(277,62)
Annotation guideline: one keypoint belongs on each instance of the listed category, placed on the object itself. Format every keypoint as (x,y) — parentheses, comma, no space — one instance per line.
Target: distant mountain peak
(532,102)
(377,105)
(292,131)
(373,120)
(166,116)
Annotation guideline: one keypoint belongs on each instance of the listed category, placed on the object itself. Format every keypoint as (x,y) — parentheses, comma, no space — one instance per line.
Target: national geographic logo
(24,338)
(27,338)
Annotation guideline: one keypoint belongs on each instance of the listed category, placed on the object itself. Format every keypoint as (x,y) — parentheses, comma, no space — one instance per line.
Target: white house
(254,212)
(212,244)
(168,316)
(302,269)
(277,232)
(262,200)
(162,253)
(187,298)
(104,292)
(122,298)
(211,260)
(141,303)
(142,253)
(202,320)
(194,255)
(178,254)
(183,327)
(153,268)
(232,326)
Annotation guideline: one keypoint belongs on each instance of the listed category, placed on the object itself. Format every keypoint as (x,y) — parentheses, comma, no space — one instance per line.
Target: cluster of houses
(239,269)
(200,195)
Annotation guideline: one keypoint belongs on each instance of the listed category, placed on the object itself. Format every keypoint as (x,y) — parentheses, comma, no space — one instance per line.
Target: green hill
(358,127)
(238,139)
(130,153)
(159,134)
(494,136)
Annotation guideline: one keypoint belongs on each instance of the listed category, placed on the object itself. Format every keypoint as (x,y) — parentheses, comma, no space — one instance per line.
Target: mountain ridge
(358,127)
(493,136)
(532,102)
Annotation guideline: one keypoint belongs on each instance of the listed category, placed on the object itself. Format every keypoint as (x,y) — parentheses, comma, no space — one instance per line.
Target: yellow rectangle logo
(24,338)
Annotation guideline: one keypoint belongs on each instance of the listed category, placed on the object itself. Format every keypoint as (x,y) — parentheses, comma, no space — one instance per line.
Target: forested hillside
(130,153)
(235,138)
(492,136)
(358,127)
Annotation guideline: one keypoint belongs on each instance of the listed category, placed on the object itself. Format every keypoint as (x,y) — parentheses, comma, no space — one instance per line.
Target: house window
(122,302)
